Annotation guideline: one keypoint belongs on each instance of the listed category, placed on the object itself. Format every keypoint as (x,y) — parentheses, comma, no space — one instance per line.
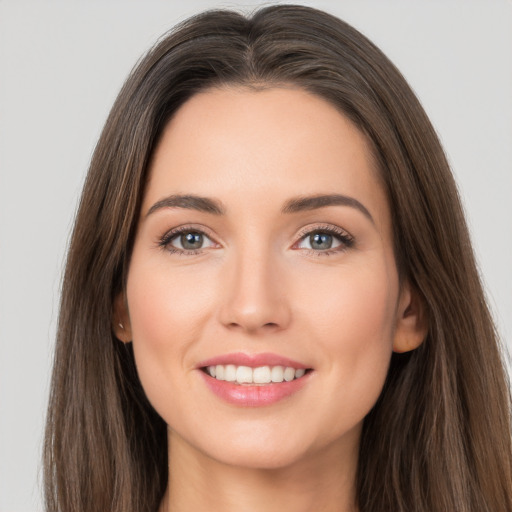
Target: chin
(261,458)
(258,449)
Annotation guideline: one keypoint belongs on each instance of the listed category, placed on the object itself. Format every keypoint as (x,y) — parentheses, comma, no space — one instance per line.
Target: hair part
(439,436)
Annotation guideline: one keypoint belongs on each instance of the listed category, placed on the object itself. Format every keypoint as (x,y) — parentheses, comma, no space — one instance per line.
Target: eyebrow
(294,205)
(190,202)
(314,202)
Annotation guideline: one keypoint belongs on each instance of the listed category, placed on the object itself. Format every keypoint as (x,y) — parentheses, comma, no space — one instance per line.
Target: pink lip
(252,360)
(257,395)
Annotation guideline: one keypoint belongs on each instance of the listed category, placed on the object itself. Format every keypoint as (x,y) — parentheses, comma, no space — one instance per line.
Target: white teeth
(259,375)
(244,374)
(277,374)
(299,373)
(230,373)
(219,372)
(289,374)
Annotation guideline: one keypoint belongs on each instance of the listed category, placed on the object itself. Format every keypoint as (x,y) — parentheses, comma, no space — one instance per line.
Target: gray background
(61,66)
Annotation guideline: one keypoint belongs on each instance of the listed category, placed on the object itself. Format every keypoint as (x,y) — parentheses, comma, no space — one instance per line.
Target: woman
(270,299)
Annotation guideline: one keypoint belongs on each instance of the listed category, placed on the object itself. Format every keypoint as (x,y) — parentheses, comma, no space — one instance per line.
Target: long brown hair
(439,437)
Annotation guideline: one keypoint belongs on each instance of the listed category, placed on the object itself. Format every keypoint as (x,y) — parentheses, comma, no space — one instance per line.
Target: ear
(412,322)
(121,319)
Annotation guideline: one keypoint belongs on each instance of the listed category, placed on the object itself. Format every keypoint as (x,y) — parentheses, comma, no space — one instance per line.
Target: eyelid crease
(329,228)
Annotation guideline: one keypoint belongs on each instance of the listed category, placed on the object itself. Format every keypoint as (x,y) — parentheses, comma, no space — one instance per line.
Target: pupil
(192,240)
(321,241)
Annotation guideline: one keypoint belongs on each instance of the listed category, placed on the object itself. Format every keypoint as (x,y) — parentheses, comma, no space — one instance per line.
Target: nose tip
(253,320)
(254,299)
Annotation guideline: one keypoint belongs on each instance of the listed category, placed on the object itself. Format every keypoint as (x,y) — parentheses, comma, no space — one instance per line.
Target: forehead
(240,143)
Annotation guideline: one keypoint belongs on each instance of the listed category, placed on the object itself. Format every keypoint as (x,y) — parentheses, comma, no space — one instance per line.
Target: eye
(321,241)
(325,240)
(186,241)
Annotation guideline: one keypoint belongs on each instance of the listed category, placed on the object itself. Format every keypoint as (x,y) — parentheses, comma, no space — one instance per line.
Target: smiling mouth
(260,375)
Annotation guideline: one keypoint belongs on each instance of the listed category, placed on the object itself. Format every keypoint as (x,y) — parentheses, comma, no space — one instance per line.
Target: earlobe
(121,319)
(412,323)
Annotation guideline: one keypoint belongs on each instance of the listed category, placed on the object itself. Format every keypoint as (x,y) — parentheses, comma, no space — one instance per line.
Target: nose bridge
(254,298)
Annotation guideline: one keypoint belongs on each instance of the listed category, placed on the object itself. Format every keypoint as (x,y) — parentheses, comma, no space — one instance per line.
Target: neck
(325,481)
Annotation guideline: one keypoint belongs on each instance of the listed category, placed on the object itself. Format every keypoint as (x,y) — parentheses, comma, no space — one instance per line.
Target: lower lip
(259,395)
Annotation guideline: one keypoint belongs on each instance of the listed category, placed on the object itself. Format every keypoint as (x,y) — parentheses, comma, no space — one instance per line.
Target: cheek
(353,324)
(167,312)
(162,304)
(352,308)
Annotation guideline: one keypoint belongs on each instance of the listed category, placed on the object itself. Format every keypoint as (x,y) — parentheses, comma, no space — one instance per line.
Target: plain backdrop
(61,66)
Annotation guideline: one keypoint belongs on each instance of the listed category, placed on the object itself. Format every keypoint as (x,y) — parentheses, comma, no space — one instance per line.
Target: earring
(121,325)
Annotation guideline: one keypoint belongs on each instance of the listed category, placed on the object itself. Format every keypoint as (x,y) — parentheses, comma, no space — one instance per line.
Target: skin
(258,285)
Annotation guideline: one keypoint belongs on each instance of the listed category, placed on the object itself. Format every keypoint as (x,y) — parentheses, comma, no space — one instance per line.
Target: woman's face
(264,243)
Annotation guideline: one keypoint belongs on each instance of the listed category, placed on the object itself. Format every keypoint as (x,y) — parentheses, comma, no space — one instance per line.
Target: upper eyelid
(165,240)
(304,232)
(345,238)
(188,228)
(330,228)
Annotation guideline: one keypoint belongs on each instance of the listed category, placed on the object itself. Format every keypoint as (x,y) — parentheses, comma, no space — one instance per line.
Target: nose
(254,296)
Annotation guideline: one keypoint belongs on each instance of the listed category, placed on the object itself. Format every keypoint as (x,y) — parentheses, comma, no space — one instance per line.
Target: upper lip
(252,360)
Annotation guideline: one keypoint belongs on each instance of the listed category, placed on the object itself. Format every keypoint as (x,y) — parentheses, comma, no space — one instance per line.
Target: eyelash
(165,241)
(346,240)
